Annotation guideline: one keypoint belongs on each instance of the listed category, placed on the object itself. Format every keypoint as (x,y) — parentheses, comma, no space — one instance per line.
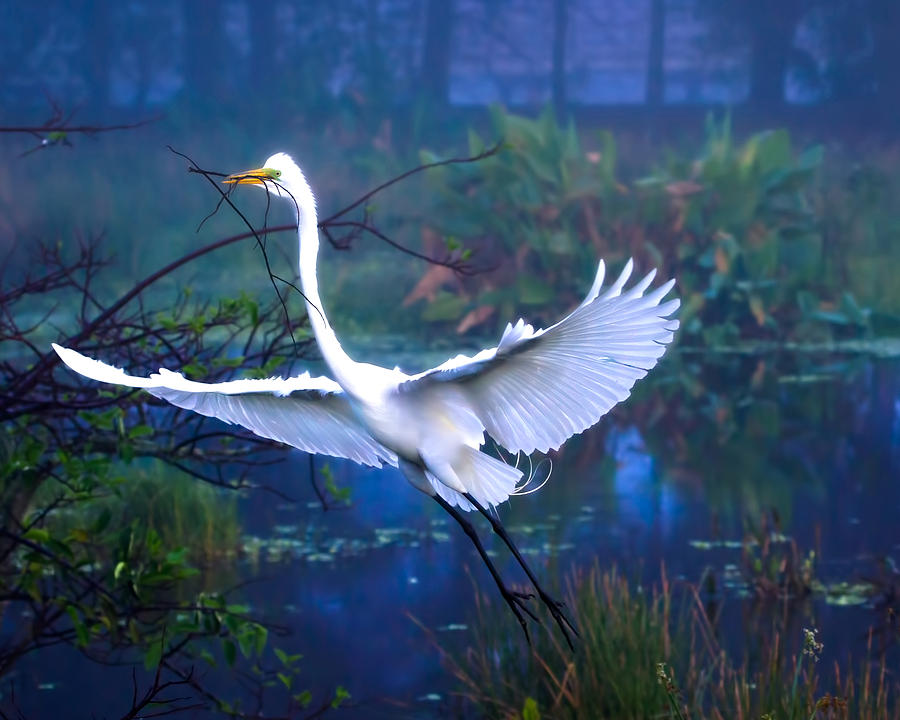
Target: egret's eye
(277,173)
(272,173)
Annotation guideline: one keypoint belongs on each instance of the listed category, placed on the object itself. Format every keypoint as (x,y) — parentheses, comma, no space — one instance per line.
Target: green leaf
(304,698)
(338,493)
(812,157)
(229,649)
(530,710)
(853,311)
(196,369)
(532,291)
(208,657)
(153,655)
(233,623)
(286,680)
(38,535)
(262,636)
(232,362)
(246,640)
(426,157)
(154,542)
(445,306)
(80,630)
(139,431)
(476,144)
(102,522)
(177,556)
(340,694)
(121,567)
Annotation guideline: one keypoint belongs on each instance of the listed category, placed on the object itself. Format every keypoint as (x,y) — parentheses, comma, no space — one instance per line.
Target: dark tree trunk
(378,76)
(560,21)
(885,19)
(772,26)
(264,39)
(203,55)
(97,53)
(656,54)
(436,54)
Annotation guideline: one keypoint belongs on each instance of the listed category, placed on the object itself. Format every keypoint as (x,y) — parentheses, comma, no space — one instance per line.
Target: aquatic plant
(657,653)
(772,564)
(741,225)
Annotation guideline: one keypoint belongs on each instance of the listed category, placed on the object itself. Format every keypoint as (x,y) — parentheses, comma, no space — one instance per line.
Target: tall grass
(655,653)
(180,510)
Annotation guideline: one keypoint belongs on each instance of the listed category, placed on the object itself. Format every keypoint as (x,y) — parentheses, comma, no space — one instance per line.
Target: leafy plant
(740,225)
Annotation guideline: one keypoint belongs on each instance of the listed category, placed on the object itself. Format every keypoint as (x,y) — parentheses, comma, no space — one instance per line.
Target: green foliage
(530,710)
(526,206)
(339,494)
(623,634)
(107,548)
(773,565)
(742,227)
(110,566)
(633,645)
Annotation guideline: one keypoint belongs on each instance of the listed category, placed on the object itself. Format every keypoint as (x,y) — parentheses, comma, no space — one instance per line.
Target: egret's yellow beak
(252,177)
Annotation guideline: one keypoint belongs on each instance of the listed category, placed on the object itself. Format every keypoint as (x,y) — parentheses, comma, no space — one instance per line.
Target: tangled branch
(55,131)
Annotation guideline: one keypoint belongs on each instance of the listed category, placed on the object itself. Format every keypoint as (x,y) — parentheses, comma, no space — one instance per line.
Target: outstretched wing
(309,413)
(537,388)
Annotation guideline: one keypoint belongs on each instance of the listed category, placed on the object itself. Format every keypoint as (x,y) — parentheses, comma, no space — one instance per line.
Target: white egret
(532,391)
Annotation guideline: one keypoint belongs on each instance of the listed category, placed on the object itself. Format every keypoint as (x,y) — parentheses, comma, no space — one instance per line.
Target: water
(348,582)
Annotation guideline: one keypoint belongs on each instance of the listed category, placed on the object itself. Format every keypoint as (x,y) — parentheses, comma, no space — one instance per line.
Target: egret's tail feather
(489,480)
(532,482)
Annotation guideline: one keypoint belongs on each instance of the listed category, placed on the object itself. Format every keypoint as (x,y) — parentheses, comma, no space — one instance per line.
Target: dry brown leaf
(435,277)
(723,262)
(759,374)
(683,188)
(590,224)
(475,317)
(432,243)
(548,213)
(758,309)
(521,254)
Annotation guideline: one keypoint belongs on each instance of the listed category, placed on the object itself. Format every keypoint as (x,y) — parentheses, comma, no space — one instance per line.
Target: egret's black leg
(555,606)
(515,600)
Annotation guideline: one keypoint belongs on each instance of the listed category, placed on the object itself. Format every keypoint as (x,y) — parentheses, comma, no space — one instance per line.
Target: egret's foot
(554,606)
(556,610)
(516,601)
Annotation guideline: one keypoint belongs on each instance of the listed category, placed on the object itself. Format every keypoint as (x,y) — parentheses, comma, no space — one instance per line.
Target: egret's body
(531,392)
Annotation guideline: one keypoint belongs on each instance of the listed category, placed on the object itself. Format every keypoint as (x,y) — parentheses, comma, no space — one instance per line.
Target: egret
(531,392)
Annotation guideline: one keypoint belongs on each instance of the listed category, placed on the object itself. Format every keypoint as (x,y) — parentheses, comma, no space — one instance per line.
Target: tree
(656,54)
(437,51)
(83,570)
(204,51)
(766,28)
(558,83)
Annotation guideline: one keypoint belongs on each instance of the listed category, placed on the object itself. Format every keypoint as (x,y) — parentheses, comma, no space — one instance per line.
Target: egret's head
(278,172)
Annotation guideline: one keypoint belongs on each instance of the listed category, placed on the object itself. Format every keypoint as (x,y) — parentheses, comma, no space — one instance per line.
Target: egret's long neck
(341,365)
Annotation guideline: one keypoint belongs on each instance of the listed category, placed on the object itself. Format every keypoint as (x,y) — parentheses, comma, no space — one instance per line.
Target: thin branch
(421,168)
(75,129)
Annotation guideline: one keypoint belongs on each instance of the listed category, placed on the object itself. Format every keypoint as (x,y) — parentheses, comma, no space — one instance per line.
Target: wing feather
(537,388)
(309,413)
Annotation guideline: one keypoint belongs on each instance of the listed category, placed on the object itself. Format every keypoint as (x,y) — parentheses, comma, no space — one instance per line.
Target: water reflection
(634,491)
(821,467)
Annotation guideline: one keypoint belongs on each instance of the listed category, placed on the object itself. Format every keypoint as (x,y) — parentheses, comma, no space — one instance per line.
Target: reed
(655,653)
